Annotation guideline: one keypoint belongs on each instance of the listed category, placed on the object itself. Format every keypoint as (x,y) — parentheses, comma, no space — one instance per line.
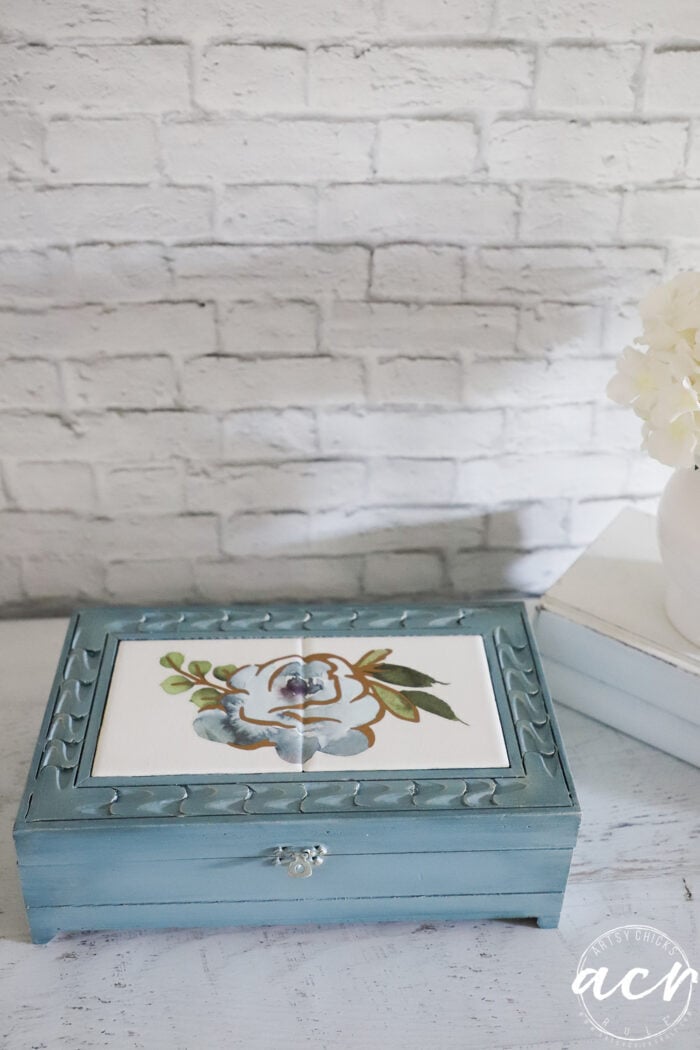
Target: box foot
(43,934)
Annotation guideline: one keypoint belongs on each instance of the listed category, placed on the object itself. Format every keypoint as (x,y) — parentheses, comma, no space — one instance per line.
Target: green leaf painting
(396,675)
(374,656)
(176,684)
(396,703)
(300,705)
(173,660)
(433,704)
(199,668)
(224,672)
(206,697)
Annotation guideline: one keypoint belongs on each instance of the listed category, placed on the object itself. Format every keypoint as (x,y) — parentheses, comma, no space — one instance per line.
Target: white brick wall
(319,299)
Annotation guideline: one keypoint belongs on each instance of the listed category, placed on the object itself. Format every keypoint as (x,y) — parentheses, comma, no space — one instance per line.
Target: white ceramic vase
(678,524)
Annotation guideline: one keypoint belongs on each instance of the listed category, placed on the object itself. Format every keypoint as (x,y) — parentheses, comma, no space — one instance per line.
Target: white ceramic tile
(283,685)
(459,664)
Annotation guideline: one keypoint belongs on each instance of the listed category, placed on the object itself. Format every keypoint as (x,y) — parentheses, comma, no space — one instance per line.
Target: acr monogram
(634,983)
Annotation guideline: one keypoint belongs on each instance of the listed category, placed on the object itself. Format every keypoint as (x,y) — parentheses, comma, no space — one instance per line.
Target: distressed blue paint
(45,923)
(403,844)
(164,840)
(257,878)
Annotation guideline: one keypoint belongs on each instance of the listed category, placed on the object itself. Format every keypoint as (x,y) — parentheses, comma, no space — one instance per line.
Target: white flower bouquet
(662,381)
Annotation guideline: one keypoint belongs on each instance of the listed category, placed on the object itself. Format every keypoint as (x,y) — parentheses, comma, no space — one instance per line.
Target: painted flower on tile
(301,705)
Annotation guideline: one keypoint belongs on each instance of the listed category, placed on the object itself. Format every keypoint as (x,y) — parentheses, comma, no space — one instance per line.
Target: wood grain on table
(485,985)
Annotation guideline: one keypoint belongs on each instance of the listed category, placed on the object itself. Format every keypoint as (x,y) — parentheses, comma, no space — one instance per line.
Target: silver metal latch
(300,862)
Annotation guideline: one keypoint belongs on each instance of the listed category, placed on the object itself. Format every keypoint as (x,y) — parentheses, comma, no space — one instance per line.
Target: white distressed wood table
(489,985)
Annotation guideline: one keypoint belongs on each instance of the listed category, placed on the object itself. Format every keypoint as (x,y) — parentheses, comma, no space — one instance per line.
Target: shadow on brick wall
(306,557)
(336,555)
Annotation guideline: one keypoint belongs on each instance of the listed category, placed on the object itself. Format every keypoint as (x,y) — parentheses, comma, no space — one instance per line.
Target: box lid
(249,711)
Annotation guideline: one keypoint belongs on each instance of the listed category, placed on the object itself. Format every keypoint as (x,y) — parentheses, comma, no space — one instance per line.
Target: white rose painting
(278,705)
(303,705)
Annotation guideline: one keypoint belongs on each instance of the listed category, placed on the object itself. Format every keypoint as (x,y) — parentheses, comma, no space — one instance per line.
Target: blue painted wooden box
(118,829)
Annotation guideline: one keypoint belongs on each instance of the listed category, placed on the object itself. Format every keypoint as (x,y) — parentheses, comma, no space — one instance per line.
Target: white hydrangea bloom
(676,444)
(671,313)
(661,383)
(638,379)
(672,402)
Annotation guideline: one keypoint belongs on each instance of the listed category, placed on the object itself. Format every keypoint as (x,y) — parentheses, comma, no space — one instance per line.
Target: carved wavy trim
(56,796)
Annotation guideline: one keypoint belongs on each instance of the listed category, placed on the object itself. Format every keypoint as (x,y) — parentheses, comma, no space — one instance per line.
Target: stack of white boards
(609,649)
